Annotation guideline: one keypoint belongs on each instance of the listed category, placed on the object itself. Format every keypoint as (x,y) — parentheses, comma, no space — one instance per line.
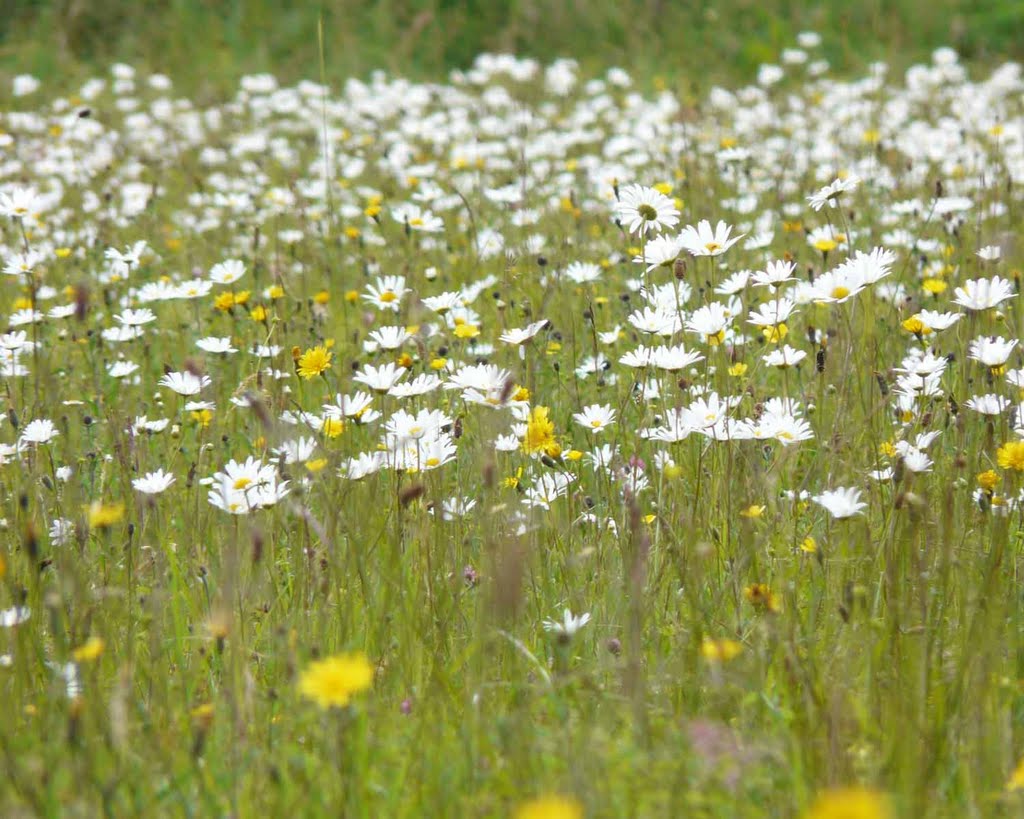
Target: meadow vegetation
(533,442)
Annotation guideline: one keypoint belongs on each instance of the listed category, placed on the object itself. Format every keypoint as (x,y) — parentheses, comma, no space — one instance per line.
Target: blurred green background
(207,45)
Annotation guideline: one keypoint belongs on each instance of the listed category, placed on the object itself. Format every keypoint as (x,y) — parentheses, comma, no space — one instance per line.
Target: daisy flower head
(216,344)
(185,383)
(18,203)
(386,293)
(776,274)
(983,294)
(227,272)
(40,431)
(992,352)
(829,195)
(568,626)
(644,209)
(596,417)
(841,503)
(703,241)
(153,483)
(661,251)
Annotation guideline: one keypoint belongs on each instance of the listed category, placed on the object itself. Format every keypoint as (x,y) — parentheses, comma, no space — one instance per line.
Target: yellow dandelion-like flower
(1016,780)
(540,432)
(332,682)
(90,650)
(1011,455)
(850,803)
(313,362)
(466,331)
(103,516)
(550,807)
(333,427)
(224,301)
(761,597)
(916,326)
(988,480)
(719,651)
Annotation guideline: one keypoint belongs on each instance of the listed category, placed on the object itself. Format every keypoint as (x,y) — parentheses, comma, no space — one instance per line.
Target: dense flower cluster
(509,305)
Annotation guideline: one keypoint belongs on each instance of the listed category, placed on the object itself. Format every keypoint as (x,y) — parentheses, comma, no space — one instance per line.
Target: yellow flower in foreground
(313,362)
(102,515)
(540,432)
(466,331)
(332,682)
(719,650)
(550,807)
(90,650)
(850,803)
(761,597)
(988,480)
(333,427)
(916,326)
(1016,780)
(1011,455)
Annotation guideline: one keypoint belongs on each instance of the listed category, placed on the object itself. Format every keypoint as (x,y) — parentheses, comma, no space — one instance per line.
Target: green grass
(890,658)
(207,46)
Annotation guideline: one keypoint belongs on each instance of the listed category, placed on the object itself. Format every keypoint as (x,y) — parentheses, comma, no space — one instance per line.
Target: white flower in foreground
(990,404)
(14,616)
(785,357)
(644,209)
(595,417)
(520,335)
(703,241)
(185,383)
(992,352)
(382,378)
(40,431)
(842,502)
(829,195)
(227,272)
(121,368)
(17,203)
(216,344)
(153,483)
(243,487)
(982,294)
(568,626)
